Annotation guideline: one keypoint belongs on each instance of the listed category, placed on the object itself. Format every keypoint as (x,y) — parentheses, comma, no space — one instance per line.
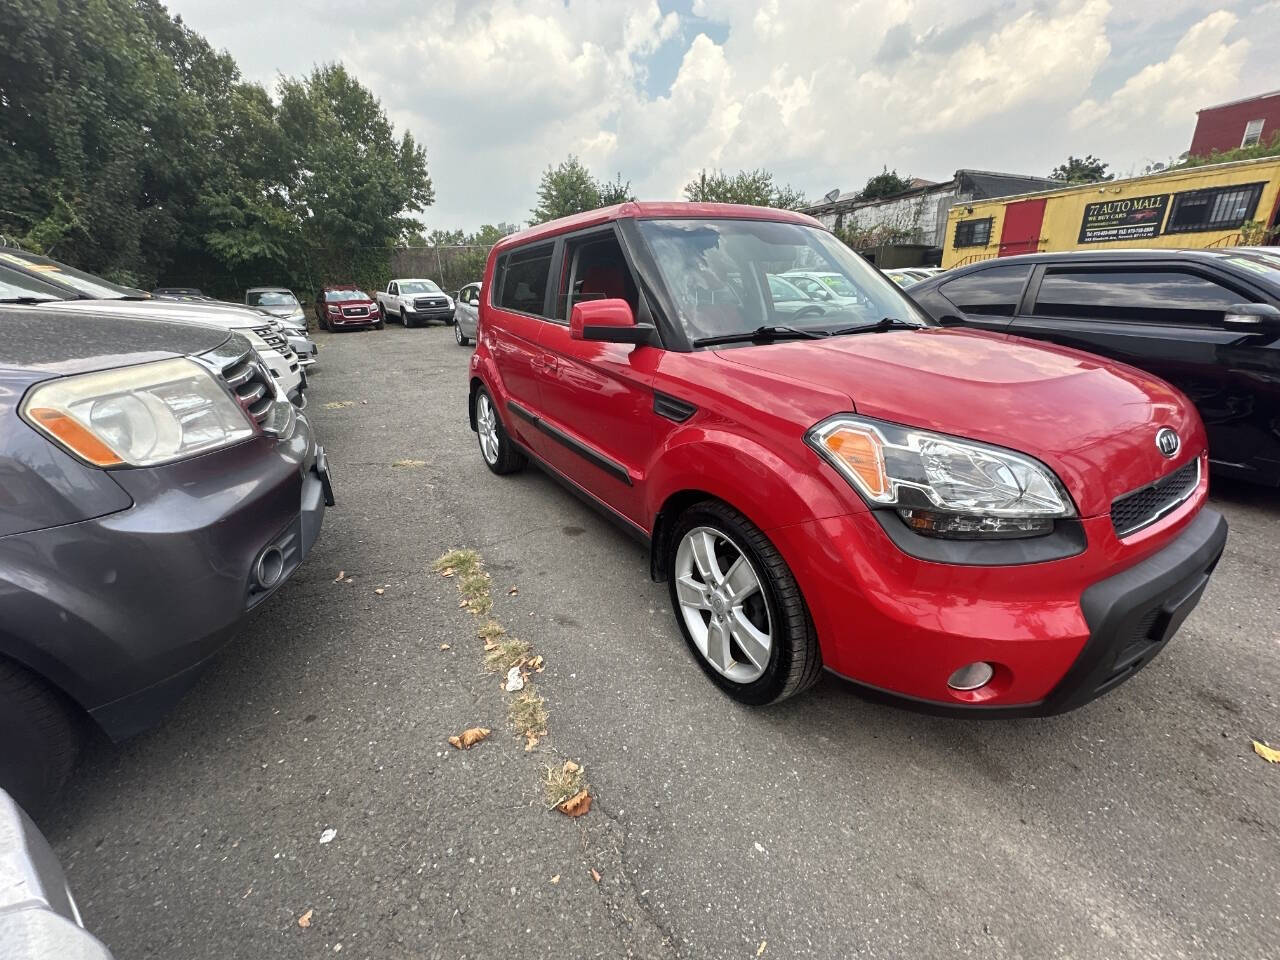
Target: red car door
(597,398)
(513,326)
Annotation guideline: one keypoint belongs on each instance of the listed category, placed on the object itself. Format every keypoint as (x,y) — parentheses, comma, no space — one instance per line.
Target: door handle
(549,363)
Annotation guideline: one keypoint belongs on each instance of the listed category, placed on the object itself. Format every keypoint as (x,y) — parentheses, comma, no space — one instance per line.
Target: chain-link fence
(451,267)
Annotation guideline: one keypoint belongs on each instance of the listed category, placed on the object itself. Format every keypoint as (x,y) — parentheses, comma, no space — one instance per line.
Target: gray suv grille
(251,384)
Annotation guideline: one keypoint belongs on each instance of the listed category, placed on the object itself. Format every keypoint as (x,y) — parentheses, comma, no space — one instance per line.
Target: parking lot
(1141,825)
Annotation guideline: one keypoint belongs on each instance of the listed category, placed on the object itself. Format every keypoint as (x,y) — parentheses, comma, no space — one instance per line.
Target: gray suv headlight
(138,416)
(941,485)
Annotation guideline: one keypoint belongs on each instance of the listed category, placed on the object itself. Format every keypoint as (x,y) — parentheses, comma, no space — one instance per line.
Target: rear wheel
(739,607)
(499,452)
(42,737)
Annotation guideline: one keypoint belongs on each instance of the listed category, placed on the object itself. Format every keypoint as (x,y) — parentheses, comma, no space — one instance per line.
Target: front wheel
(380,324)
(404,319)
(457,335)
(739,607)
(42,737)
(499,452)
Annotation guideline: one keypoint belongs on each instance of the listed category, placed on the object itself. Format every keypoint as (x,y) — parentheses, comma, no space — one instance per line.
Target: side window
(992,292)
(394,289)
(973,233)
(597,271)
(524,280)
(1153,296)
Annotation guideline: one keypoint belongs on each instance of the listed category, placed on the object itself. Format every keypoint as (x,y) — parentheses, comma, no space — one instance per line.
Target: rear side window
(1153,296)
(522,284)
(993,292)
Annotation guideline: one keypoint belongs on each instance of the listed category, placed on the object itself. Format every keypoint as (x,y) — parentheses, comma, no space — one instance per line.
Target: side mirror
(951,320)
(1252,318)
(608,321)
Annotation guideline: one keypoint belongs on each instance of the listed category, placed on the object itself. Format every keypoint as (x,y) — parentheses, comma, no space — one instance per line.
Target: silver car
(466,315)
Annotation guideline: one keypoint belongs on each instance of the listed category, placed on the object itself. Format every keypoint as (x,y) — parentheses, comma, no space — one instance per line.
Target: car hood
(1092,420)
(278,311)
(48,340)
(228,316)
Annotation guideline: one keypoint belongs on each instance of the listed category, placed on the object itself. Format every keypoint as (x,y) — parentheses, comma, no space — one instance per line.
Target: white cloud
(823,92)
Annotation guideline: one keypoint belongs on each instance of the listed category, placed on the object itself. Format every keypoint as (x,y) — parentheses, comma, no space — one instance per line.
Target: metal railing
(975,258)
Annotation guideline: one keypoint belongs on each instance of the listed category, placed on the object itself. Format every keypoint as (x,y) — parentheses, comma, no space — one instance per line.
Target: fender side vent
(672,408)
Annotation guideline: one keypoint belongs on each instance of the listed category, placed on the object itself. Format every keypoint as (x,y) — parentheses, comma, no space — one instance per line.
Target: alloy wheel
(487,428)
(723,604)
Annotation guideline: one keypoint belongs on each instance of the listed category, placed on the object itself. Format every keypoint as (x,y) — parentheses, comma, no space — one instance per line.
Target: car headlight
(138,416)
(940,485)
(334,308)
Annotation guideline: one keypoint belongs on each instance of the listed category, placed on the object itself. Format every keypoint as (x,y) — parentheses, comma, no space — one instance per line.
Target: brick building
(1240,123)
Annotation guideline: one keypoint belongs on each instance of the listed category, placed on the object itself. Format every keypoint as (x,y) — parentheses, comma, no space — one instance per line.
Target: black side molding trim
(614,469)
(673,408)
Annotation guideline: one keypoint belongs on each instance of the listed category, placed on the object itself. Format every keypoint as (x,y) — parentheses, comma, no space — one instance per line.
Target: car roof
(268,290)
(653,210)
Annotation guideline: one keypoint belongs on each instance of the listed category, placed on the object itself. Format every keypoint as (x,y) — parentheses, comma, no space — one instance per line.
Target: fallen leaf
(328,835)
(444,646)
(489,645)
(576,805)
(571,767)
(530,741)
(1269,754)
(469,737)
(556,878)
(350,580)
(447,572)
(537,664)
(304,921)
(512,592)
(760,949)
(338,578)
(379,591)
(515,680)
(595,875)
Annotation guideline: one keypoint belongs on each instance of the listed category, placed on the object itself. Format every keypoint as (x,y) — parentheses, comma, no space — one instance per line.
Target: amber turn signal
(75,437)
(861,452)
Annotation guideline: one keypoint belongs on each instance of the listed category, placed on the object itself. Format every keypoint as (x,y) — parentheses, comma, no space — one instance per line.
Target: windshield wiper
(765,334)
(886,323)
(28,301)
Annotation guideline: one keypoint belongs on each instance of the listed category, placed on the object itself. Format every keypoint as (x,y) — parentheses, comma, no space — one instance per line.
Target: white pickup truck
(415,301)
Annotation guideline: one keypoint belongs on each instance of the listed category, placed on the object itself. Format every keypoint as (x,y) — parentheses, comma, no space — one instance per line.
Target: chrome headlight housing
(941,485)
(138,416)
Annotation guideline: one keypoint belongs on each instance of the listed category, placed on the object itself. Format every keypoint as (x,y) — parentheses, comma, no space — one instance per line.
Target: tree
(566,189)
(886,183)
(753,187)
(1076,170)
(614,191)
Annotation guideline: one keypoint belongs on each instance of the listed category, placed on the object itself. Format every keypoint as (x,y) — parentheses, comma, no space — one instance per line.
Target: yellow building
(1212,206)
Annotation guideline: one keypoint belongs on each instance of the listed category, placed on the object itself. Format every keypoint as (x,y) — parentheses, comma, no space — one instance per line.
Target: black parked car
(1207,321)
(157,487)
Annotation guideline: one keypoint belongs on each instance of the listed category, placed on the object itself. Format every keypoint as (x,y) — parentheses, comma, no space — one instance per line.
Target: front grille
(274,340)
(1144,507)
(251,384)
(355,311)
(427,303)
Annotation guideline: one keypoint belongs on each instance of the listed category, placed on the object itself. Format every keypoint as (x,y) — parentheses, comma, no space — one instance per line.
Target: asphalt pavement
(1140,826)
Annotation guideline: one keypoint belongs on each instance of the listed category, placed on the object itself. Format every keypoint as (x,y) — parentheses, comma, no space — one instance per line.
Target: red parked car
(965,522)
(345,306)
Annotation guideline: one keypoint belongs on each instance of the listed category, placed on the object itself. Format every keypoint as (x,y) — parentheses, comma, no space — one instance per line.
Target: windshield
(341,296)
(418,286)
(733,276)
(17,286)
(62,275)
(272,298)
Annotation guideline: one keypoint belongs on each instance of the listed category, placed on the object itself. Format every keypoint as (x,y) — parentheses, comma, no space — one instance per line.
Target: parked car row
(948,516)
(161,482)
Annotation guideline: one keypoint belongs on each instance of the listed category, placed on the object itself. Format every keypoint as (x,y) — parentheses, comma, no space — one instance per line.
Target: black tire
(404,319)
(459,336)
(509,458)
(42,737)
(379,325)
(450,320)
(324,323)
(795,662)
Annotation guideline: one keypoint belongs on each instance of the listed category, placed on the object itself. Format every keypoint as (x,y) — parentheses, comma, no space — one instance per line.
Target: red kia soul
(966,521)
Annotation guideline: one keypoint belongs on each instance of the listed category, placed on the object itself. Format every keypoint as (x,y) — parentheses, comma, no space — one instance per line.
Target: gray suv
(156,488)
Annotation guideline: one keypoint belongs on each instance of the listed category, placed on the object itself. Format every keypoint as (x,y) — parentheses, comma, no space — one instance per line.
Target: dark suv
(157,488)
(1207,321)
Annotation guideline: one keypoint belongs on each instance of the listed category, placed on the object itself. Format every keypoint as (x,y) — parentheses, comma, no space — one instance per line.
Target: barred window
(1218,208)
(973,233)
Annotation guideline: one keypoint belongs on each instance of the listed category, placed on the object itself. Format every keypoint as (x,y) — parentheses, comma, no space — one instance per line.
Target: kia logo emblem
(1167,441)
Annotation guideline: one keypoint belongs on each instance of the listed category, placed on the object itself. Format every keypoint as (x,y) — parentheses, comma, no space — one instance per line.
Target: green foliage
(135,150)
(886,183)
(570,188)
(1077,170)
(753,187)
(1257,152)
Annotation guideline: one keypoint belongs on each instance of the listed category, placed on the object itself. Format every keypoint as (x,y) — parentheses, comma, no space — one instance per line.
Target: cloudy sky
(822,92)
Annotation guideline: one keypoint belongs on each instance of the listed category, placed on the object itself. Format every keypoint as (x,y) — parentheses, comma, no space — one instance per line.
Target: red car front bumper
(1057,633)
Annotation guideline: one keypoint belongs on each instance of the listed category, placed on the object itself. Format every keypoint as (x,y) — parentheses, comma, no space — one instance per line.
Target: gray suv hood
(228,316)
(51,340)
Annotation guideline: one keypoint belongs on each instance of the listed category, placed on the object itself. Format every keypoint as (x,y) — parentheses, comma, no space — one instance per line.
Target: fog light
(971,677)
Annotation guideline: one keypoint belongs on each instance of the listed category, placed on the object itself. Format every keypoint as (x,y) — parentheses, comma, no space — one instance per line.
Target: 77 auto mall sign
(1133,218)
